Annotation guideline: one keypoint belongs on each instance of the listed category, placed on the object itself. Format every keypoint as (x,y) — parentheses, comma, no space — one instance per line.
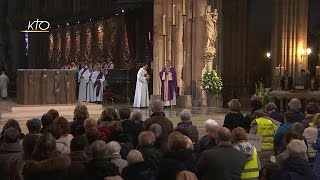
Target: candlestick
(174,15)
(183,8)
(164,29)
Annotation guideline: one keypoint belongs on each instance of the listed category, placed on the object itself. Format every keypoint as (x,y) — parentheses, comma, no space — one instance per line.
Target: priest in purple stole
(168,78)
(98,78)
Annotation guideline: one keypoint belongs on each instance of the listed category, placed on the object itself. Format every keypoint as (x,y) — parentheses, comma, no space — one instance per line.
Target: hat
(11,135)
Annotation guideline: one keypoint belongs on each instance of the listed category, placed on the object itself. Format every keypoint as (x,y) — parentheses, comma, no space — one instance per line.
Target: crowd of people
(122,145)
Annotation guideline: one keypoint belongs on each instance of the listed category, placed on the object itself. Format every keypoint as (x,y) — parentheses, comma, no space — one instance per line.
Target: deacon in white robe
(4,81)
(141,97)
(98,79)
(90,84)
(83,85)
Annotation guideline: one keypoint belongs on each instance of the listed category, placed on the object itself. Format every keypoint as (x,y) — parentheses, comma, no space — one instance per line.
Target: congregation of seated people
(123,145)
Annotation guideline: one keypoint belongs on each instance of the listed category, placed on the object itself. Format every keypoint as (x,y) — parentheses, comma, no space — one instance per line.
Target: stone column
(178,49)
(289,36)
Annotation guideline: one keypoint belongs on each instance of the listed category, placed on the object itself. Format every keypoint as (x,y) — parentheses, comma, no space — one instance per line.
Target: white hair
(136,115)
(297,148)
(294,103)
(210,123)
(185,115)
(113,147)
(134,156)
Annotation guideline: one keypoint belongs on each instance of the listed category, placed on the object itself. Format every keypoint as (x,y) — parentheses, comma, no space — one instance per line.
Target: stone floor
(11,110)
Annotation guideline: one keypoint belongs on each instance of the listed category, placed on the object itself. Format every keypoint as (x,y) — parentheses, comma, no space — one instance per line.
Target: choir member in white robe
(98,79)
(83,84)
(141,97)
(90,87)
(4,81)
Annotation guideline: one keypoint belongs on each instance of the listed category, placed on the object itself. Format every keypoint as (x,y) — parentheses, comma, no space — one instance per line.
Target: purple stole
(84,70)
(98,83)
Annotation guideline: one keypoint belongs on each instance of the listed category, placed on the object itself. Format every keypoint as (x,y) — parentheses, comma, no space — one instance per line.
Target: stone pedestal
(184,101)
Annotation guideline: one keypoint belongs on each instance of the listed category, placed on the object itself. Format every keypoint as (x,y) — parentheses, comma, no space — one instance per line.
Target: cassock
(90,86)
(168,78)
(98,79)
(4,81)
(83,85)
(141,96)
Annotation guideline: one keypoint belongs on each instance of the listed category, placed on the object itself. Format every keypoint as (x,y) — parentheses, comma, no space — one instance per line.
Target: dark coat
(97,169)
(175,161)
(77,170)
(298,115)
(165,123)
(234,120)
(77,127)
(151,155)
(188,129)
(9,154)
(55,168)
(223,162)
(138,171)
(276,116)
(132,128)
(294,168)
(206,143)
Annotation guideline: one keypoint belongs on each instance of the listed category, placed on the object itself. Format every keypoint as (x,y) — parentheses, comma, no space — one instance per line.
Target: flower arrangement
(263,93)
(211,82)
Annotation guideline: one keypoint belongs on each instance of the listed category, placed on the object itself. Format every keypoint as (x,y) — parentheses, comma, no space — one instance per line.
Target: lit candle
(164,29)
(183,7)
(277,71)
(174,15)
(149,36)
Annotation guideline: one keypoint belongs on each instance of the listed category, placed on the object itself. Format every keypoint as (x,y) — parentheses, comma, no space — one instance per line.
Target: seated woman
(235,118)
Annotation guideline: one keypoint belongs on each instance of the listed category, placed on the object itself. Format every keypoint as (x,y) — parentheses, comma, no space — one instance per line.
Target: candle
(317,70)
(277,71)
(149,36)
(282,71)
(174,15)
(183,7)
(164,29)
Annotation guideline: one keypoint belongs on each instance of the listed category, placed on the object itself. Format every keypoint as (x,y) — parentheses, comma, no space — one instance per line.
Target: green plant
(263,93)
(211,82)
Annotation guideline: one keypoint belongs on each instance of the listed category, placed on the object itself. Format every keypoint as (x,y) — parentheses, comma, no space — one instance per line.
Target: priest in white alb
(4,81)
(90,84)
(141,97)
(98,79)
(82,84)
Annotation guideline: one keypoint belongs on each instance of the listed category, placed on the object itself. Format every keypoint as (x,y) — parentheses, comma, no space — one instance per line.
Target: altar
(46,86)
(303,95)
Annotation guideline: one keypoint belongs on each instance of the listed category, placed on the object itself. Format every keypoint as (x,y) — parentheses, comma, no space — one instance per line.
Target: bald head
(223,136)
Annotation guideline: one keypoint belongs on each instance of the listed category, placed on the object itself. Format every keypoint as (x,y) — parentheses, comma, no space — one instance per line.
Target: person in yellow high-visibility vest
(266,128)
(240,142)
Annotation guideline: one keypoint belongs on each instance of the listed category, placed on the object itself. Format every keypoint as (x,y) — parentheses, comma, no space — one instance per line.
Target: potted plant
(212,85)
(263,93)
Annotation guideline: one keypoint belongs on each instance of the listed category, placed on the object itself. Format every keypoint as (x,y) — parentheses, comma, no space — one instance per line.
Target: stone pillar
(178,48)
(289,36)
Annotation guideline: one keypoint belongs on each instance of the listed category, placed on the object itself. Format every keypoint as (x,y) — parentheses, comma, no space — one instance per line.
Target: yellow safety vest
(266,129)
(251,170)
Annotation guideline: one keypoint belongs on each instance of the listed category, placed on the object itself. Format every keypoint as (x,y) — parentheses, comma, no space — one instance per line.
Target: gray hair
(259,113)
(156,129)
(294,103)
(113,147)
(209,124)
(156,106)
(297,148)
(185,115)
(134,157)
(99,150)
(271,106)
(136,115)
(298,127)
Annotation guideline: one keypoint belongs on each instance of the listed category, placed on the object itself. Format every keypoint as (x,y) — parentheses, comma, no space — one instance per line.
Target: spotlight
(122,11)
(78,22)
(117,14)
(90,19)
(58,25)
(268,55)
(67,24)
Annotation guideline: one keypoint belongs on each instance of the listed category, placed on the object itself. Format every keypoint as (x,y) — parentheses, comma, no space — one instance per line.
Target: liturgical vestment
(83,85)
(90,86)
(98,79)
(4,81)
(141,97)
(168,78)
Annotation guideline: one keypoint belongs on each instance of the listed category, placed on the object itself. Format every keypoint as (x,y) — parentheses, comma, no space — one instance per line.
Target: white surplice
(90,87)
(141,97)
(83,85)
(98,98)
(4,81)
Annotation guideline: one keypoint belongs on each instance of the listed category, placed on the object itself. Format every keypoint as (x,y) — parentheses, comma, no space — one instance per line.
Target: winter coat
(280,134)
(132,128)
(165,123)
(246,147)
(138,171)
(298,115)
(77,170)
(206,143)
(294,168)
(9,154)
(55,168)
(307,120)
(234,120)
(223,162)
(188,129)
(118,161)
(175,161)
(276,116)
(151,155)
(316,166)
(77,127)
(97,169)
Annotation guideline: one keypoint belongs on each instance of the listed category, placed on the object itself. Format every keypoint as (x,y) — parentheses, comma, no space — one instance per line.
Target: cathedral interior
(132,32)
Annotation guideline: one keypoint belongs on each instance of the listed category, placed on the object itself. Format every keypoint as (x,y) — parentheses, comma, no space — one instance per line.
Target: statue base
(184,101)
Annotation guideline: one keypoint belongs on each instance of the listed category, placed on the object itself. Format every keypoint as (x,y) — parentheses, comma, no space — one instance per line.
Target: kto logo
(37,26)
